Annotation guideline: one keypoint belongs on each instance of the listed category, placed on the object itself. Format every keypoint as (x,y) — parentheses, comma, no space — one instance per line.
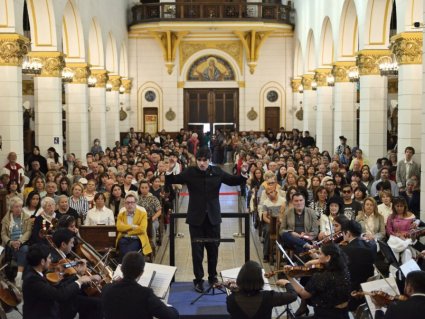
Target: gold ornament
(81,72)
(13,48)
(368,61)
(306,81)
(127,85)
(407,47)
(170,115)
(27,87)
(115,81)
(295,83)
(52,63)
(341,69)
(252,114)
(300,114)
(123,114)
(320,76)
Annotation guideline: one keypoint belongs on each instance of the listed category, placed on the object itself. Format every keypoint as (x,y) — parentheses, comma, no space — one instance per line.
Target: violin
(63,268)
(273,273)
(381,297)
(302,271)
(336,238)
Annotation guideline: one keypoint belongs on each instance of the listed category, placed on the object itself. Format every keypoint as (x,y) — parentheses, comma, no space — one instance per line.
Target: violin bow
(386,280)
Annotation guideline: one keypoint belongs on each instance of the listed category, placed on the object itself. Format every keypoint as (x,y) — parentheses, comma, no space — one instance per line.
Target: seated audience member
(44,223)
(333,209)
(350,207)
(412,196)
(15,233)
(413,307)
(99,214)
(373,226)
(63,209)
(132,223)
(250,300)
(116,200)
(384,176)
(126,298)
(299,225)
(386,208)
(32,204)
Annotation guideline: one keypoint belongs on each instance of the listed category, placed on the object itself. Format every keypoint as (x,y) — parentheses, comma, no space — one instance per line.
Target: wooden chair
(273,236)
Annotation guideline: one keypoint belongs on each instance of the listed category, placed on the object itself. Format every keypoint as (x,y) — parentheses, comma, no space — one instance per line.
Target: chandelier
(91,81)
(330,79)
(67,75)
(31,66)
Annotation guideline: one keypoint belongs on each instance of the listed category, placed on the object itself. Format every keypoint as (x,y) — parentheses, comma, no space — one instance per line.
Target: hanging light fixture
(91,81)
(314,85)
(389,68)
(300,88)
(108,87)
(330,79)
(122,89)
(353,74)
(67,75)
(31,66)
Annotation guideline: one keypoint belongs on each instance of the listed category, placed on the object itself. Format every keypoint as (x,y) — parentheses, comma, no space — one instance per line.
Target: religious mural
(211,68)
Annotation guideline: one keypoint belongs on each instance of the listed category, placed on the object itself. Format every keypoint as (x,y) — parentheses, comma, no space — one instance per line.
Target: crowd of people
(308,195)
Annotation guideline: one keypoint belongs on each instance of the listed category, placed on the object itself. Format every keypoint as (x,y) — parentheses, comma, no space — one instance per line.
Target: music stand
(211,290)
(288,310)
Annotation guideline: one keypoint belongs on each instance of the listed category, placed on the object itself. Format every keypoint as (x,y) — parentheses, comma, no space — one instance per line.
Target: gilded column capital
(368,61)
(52,63)
(295,83)
(27,87)
(127,85)
(13,48)
(320,76)
(306,81)
(340,70)
(101,77)
(81,72)
(115,80)
(407,47)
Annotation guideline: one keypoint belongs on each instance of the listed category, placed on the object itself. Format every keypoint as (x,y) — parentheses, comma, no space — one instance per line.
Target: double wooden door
(218,108)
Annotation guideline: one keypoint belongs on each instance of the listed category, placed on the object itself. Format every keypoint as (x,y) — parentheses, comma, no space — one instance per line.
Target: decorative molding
(101,77)
(341,69)
(252,114)
(320,76)
(295,83)
(115,80)
(52,63)
(368,61)
(170,115)
(180,84)
(127,83)
(407,47)
(169,42)
(252,42)
(13,48)
(232,48)
(241,84)
(306,81)
(81,72)
(27,87)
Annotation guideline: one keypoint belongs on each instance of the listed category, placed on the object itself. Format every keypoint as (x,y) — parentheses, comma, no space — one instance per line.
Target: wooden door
(272,119)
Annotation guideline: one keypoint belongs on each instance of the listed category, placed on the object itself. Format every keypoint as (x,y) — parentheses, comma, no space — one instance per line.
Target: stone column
(297,111)
(345,97)
(97,107)
(309,105)
(13,47)
(324,115)
(407,47)
(76,97)
(125,105)
(373,104)
(113,110)
(48,101)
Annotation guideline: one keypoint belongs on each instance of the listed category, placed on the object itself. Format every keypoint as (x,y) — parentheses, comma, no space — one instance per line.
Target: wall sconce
(108,87)
(300,88)
(91,81)
(314,85)
(330,79)
(67,75)
(31,66)
(122,89)
(353,74)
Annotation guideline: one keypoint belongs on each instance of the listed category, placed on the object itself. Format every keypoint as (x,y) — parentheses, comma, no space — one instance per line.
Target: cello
(10,296)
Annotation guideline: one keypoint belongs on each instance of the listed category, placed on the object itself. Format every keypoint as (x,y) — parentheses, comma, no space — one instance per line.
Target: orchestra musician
(413,307)
(87,307)
(250,301)
(125,298)
(328,291)
(41,299)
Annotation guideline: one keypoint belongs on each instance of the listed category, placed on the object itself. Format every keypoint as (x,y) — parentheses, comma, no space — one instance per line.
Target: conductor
(204,215)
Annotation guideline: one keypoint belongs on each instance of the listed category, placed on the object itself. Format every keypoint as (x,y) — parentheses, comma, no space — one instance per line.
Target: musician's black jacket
(412,308)
(41,299)
(204,187)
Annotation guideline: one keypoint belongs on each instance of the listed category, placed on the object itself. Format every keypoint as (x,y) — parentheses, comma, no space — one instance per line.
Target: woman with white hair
(15,232)
(45,223)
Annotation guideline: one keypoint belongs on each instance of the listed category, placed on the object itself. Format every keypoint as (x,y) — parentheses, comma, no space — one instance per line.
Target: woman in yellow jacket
(132,224)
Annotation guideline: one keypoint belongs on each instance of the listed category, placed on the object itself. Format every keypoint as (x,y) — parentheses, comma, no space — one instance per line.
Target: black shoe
(212,281)
(199,286)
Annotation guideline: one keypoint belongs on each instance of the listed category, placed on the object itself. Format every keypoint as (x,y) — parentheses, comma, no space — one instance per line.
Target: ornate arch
(43,25)
(408,12)
(96,48)
(298,60)
(280,102)
(326,44)
(210,68)
(348,32)
(377,24)
(73,34)
(310,61)
(7,17)
(111,59)
(142,103)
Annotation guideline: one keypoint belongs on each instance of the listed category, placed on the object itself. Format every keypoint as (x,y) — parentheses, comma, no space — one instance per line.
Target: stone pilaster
(297,97)
(309,105)
(324,114)
(13,48)
(112,110)
(97,107)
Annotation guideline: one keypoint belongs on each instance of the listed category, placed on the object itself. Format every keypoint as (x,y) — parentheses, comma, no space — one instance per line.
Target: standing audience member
(406,168)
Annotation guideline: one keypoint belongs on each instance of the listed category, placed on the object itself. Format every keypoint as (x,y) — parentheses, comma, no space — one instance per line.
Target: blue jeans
(127,244)
(295,243)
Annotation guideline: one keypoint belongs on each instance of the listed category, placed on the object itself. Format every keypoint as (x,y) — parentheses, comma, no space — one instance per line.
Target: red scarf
(14,172)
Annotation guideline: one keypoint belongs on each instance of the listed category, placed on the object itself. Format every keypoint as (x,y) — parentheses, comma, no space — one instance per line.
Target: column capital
(407,47)
(295,83)
(13,48)
(320,76)
(368,61)
(101,77)
(127,85)
(306,81)
(115,80)
(341,69)
(53,62)
(81,72)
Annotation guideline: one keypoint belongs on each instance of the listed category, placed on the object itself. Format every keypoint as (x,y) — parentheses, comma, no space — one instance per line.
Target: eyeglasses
(346,192)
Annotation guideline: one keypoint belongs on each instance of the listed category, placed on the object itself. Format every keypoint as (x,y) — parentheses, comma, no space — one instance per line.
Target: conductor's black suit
(204,187)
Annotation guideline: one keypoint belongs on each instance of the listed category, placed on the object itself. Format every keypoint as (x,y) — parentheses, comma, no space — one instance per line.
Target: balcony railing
(211,11)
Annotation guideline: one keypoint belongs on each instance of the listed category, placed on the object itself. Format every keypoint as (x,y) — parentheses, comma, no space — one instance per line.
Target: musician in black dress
(328,291)
(250,301)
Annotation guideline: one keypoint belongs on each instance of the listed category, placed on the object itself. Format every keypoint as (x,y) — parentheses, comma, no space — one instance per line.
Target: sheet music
(232,274)
(157,277)
(387,285)
(409,266)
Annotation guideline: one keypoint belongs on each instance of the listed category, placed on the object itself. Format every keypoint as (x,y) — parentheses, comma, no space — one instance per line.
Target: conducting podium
(101,237)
